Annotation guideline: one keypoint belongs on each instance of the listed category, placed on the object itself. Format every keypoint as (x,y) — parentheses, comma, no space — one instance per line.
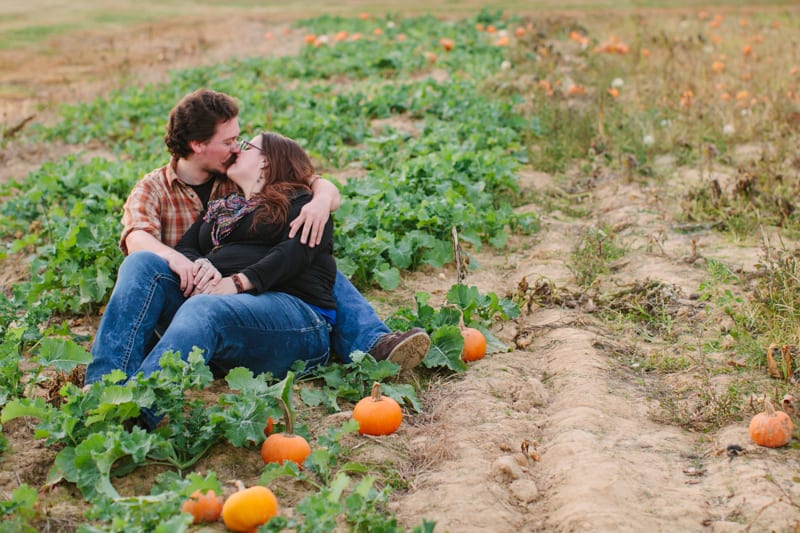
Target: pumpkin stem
(288,419)
(285,402)
(461,324)
(376,392)
(768,408)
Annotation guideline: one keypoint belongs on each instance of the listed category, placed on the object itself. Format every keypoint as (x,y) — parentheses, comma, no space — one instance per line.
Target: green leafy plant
(352,381)
(465,303)
(592,254)
(20,513)
(158,511)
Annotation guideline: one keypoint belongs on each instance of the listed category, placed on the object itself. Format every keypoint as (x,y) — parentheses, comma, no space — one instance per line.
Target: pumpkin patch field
(594,213)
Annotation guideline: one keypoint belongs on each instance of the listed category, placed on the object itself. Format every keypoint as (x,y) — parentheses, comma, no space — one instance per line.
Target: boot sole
(411,351)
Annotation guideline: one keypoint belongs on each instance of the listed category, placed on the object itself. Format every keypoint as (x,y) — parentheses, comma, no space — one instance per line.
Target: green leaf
(388,279)
(62,354)
(438,255)
(493,344)
(244,420)
(118,401)
(176,524)
(36,408)
(402,393)
(242,379)
(338,486)
(446,347)
(402,253)
(463,296)
(499,240)
(23,503)
(273,471)
(313,397)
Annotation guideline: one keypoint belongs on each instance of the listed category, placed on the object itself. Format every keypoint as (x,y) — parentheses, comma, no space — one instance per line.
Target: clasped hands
(199,276)
(208,280)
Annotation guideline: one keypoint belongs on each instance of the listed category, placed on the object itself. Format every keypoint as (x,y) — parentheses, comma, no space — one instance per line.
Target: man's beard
(223,169)
(228,162)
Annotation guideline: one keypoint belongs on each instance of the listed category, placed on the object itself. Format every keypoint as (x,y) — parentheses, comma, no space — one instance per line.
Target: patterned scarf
(225,213)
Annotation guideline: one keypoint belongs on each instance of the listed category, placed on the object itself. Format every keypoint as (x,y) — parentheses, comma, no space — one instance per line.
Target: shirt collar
(172,174)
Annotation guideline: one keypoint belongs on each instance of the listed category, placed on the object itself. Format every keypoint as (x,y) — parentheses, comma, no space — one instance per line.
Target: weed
(702,407)
(775,295)
(592,254)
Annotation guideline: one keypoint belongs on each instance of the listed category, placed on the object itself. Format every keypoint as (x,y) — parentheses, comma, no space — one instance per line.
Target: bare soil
(560,433)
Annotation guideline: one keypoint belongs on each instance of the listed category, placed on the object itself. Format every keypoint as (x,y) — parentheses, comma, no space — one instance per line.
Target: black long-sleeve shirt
(269,259)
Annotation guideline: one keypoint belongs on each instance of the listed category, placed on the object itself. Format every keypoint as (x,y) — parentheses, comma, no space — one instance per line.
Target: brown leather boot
(406,349)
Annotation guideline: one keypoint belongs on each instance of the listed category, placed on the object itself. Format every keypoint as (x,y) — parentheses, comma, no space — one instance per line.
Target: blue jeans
(357,324)
(147,296)
(265,333)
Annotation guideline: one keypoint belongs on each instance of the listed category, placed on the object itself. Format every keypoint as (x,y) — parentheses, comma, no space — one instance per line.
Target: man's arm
(322,188)
(140,240)
(316,213)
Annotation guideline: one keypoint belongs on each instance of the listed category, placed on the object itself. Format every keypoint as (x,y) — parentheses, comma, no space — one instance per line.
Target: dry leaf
(787,361)
(772,366)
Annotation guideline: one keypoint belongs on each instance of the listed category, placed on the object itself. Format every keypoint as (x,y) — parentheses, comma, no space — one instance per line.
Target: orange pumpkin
(377,414)
(446,43)
(771,428)
(203,507)
(281,447)
(244,511)
(474,344)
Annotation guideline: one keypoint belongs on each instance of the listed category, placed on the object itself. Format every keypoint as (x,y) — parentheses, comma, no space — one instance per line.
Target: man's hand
(315,214)
(184,268)
(312,219)
(205,274)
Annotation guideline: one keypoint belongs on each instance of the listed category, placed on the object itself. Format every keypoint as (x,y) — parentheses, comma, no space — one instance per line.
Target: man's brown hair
(195,118)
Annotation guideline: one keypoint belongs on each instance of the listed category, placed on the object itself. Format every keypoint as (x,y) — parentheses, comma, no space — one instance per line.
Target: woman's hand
(204,275)
(222,287)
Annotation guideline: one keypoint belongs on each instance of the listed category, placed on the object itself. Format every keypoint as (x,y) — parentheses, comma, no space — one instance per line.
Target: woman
(261,301)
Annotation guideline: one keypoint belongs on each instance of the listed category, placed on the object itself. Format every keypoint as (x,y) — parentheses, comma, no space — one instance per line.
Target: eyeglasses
(245,145)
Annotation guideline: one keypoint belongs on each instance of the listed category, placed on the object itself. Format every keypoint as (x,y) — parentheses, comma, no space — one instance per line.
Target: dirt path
(603,462)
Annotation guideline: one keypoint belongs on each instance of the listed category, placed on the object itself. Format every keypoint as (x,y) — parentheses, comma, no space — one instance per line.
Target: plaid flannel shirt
(165,207)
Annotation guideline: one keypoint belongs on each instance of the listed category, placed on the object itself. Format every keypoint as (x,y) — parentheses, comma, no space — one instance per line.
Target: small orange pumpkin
(771,428)
(244,511)
(281,447)
(203,507)
(377,414)
(474,344)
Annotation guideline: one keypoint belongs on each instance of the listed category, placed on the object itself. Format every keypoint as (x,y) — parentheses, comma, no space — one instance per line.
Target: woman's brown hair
(288,170)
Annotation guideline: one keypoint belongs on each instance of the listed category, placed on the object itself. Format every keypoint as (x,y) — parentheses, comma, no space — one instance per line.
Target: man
(203,139)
